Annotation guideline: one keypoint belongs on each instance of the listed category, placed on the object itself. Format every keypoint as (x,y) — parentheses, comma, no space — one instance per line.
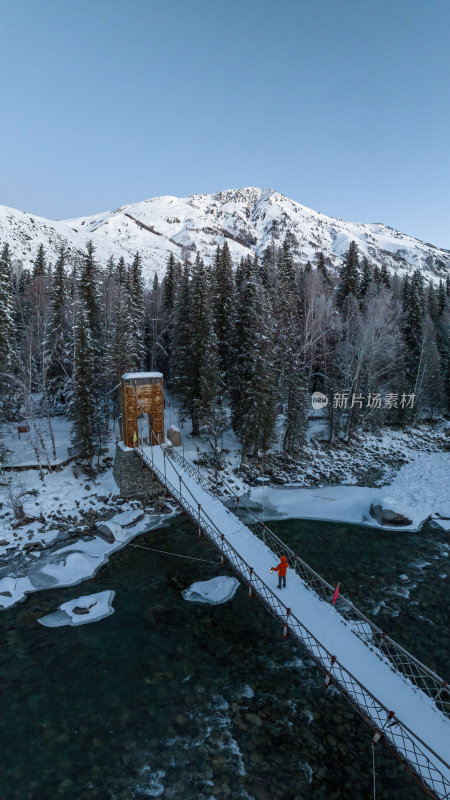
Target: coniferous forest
(256,337)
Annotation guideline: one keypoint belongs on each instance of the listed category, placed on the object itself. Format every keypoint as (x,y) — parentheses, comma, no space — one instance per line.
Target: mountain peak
(248,218)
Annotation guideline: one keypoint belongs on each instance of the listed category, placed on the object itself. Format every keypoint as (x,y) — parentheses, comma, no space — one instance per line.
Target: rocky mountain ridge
(249,219)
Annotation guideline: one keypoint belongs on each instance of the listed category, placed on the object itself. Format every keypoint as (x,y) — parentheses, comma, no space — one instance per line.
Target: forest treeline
(258,336)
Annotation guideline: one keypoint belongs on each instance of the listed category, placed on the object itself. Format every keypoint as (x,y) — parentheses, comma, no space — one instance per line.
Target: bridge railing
(433,773)
(419,674)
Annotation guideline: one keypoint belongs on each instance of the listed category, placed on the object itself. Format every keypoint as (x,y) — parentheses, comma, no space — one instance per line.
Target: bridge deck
(368,666)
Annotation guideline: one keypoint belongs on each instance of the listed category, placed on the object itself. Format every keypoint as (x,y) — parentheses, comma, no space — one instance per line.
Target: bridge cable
(373,772)
(166,553)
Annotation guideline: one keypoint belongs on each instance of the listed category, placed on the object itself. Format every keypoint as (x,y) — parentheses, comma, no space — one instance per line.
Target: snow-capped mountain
(249,219)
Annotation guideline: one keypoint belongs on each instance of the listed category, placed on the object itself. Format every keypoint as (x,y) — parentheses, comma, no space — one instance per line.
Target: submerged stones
(158,616)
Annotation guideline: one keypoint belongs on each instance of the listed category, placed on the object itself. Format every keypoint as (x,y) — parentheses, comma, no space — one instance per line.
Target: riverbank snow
(81,610)
(422,487)
(73,563)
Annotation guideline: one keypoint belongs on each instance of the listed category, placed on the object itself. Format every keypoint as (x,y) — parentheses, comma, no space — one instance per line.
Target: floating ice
(215,591)
(71,568)
(13,589)
(81,610)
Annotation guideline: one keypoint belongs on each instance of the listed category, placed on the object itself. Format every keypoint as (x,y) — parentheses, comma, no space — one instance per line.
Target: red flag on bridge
(336,594)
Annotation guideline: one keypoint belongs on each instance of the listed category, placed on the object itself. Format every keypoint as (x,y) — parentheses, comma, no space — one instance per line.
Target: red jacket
(282,567)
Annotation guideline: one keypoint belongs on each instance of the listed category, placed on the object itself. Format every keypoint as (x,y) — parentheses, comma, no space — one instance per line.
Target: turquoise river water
(181,701)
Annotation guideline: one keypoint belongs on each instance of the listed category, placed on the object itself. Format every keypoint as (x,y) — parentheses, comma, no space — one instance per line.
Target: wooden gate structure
(142,392)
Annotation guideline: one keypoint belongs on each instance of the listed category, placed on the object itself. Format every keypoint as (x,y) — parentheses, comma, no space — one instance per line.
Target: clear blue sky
(342,105)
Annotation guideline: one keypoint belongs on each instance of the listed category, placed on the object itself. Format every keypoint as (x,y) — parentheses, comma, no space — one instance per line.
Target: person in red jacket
(281,569)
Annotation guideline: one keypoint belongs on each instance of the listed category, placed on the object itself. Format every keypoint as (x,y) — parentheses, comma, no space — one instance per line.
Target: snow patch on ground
(127,518)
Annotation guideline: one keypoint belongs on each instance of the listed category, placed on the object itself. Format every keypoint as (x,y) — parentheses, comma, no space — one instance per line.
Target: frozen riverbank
(72,564)
(422,486)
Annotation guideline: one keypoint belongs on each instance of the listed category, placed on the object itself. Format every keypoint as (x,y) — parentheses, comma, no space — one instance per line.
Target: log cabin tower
(141,422)
(142,408)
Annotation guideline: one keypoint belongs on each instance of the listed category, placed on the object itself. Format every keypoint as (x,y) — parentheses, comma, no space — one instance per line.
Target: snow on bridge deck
(412,708)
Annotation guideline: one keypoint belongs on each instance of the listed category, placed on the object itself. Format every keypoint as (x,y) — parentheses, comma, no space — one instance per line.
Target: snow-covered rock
(81,610)
(215,591)
(389,511)
(109,531)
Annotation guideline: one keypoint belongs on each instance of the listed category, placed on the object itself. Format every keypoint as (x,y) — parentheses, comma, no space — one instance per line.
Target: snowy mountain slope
(25,232)
(249,219)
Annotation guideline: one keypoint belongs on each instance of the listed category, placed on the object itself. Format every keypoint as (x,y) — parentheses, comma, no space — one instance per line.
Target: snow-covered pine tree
(443,344)
(157,326)
(110,267)
(385,279)
(223,308)
(322,269)
(120,273)
(296,411)
(377,275)
(405,293)
(239,275)
(349,277)
(136,290)
(292,381)
(72,289)
(161,326)
(180,337)
(40,263)
(267,270)
(169,283)
(414,307)
(441,298)
(90,293)
(432,383)
(86,435)
(59,290)
(7,327)
(203,359)
(8,340)
(123,342)
(366,277)
(60,355)
(432,302)
(286,301)
(253,389)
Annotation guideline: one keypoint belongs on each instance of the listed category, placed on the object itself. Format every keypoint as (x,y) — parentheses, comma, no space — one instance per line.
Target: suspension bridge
(404,702)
